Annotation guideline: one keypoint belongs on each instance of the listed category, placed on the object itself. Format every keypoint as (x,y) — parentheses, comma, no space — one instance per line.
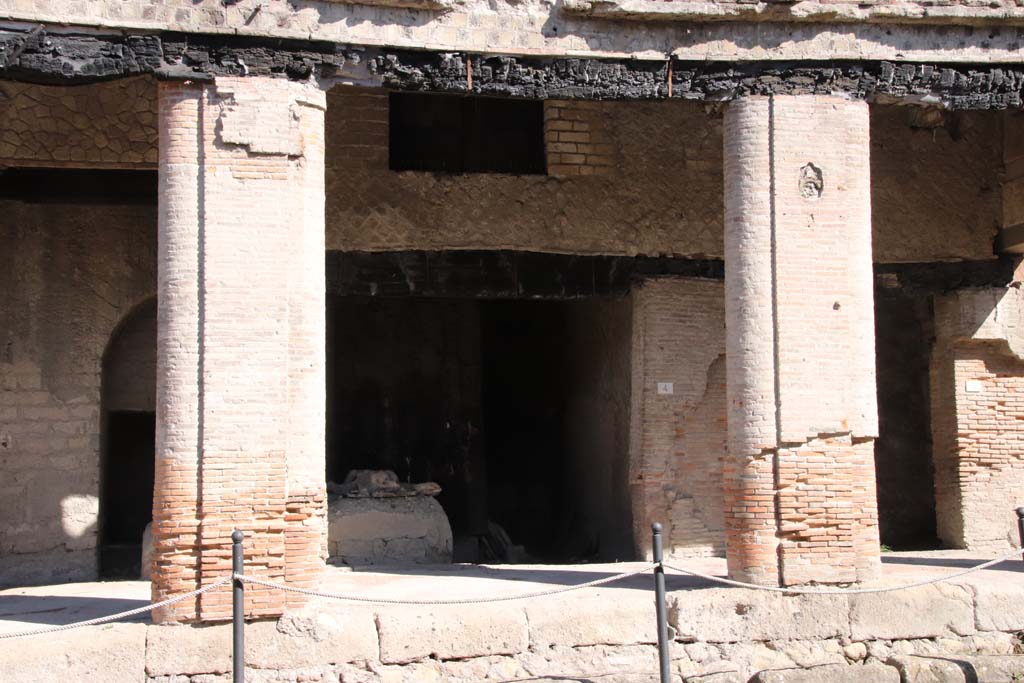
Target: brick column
(800,502)
(240,379)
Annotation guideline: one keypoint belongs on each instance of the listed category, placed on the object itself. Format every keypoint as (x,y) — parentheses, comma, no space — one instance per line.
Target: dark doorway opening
(525,395)
(519,409)
(127,504)
(904,467)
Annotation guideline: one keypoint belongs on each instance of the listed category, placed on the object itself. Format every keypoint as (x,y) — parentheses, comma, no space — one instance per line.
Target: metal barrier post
(1020,529)
(660,607)
(237,608)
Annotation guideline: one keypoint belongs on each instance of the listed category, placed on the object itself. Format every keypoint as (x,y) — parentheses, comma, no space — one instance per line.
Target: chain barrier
(844,591)
(120,615)
(452,601)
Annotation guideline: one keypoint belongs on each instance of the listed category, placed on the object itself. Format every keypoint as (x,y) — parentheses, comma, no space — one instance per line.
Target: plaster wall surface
(70,274)
(806,30)
(679,431)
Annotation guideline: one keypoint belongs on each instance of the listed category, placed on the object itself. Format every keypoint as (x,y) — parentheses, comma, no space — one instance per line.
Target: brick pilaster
(240,380)
(799,483)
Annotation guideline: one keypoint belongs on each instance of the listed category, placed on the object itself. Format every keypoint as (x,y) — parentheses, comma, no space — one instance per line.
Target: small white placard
(665,388)
(972,386)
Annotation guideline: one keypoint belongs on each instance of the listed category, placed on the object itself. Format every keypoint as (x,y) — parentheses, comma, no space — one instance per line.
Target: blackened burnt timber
(43,55)
(501,274)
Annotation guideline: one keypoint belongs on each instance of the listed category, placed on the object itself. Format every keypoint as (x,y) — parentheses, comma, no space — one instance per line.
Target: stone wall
(808,30)
(107,125)
(935,187)
(936,192)
(678,419)
(70,274)
(660,148)
(935,184)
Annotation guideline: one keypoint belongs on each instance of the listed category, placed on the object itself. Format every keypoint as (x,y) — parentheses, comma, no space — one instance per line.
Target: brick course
(240,382)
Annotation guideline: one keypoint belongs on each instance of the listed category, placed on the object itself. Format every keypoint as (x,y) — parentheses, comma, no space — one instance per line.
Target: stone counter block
(406,530)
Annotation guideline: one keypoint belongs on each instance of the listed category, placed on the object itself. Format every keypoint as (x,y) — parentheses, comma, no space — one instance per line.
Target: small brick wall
(678,438)
(577,138)
(989,394)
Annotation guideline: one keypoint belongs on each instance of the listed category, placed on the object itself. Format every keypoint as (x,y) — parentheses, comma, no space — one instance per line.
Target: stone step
(959,668)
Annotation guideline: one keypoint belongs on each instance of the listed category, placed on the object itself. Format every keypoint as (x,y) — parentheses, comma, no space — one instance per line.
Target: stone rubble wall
(934,187)
(936,192)
(371,208)
(733,30)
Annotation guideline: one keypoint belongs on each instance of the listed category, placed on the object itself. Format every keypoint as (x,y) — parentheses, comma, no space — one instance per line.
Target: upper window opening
(466,134)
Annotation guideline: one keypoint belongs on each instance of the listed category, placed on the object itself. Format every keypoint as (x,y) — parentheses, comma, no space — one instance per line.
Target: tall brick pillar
(800,502)
(240,379)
